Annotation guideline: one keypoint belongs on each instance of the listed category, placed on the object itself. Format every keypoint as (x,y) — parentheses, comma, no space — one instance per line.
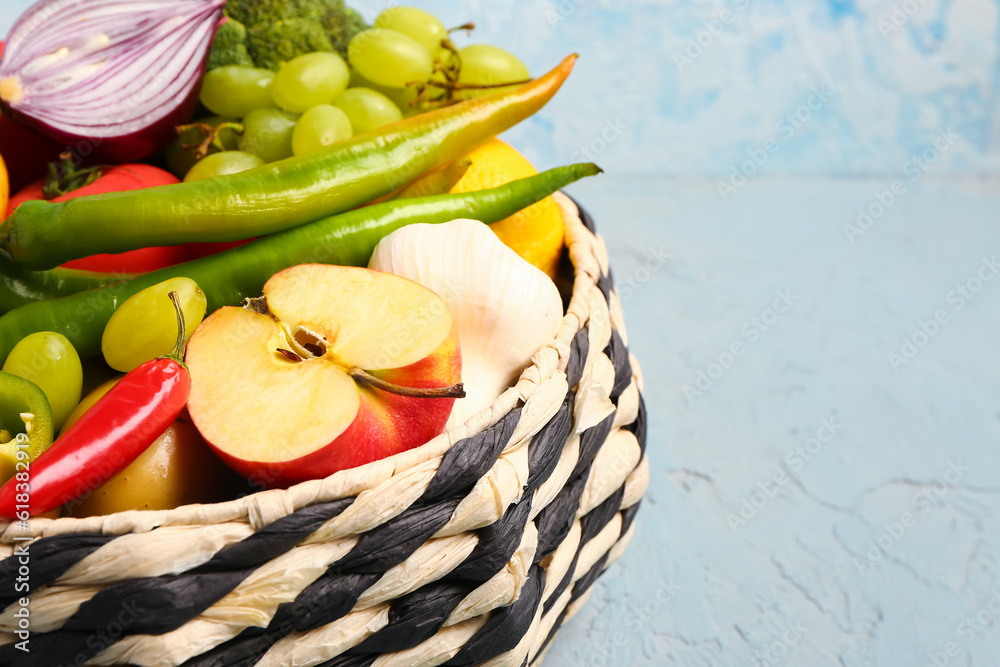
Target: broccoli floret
(278,30)
(341,23)
(229,47)
(271,44)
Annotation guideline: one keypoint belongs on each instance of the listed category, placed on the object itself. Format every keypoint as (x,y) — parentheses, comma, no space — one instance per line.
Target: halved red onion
(109,77)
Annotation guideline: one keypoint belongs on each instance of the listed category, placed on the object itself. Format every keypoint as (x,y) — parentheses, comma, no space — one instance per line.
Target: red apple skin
(386,424)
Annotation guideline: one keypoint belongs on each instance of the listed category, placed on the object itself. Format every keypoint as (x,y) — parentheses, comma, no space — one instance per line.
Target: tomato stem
(181,344)
(64,177)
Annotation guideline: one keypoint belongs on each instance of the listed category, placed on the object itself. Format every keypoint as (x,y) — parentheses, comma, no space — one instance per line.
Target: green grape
(144,327)
(403,98)
(319,127)
(389,58)
(236,91)
(367,109)
(422,26)
(310,79)
(267,133)
(223,164)
(180,159)
(486,65)
(49,360)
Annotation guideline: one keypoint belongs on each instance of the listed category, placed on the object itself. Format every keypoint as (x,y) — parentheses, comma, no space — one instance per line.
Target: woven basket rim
(553,356)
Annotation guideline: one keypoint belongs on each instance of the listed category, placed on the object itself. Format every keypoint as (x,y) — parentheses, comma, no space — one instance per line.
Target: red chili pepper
(107,438)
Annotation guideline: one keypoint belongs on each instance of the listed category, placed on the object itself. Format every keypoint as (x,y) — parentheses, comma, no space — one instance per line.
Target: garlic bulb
(504,308)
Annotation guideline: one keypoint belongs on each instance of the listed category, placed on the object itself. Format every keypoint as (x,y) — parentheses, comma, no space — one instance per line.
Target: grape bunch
(404,65)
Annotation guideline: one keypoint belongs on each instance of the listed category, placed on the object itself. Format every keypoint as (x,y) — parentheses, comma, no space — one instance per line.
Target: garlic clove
(505,310)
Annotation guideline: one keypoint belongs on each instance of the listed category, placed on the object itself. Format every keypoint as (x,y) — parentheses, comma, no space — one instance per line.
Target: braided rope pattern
(470,550)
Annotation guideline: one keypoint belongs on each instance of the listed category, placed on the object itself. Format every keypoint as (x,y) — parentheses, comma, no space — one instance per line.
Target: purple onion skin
(118,150)
(133,146)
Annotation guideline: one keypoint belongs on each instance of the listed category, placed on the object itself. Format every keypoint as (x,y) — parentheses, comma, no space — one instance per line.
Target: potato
(178,469)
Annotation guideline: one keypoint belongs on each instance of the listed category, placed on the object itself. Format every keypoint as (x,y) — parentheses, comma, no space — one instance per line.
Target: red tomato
(116,179)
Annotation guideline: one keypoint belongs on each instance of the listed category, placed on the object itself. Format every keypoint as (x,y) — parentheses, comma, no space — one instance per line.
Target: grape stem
(181,345)
(468,27)
(450,66)
(212,135)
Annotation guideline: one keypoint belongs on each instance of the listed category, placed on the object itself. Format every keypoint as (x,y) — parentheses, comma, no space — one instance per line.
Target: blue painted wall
(700,84)
(697,88)
(696,589)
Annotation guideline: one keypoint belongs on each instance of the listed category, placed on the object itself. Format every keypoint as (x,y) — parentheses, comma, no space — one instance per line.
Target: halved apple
(332,368)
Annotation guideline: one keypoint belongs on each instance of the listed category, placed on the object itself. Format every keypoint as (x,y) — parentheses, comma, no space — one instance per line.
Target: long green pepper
(18,287)
(348,239)
(272,198)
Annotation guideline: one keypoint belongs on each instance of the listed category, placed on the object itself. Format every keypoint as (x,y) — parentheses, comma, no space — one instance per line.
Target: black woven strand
(606,283)
(638,427)
(328,595)
(595,521)
(506,627)
(547,446)
(579,349)
(591,442)
(276,538)
(415,618)
(628,517)
(497,544)
(555,521)
(50,557)
(471,458)
(584,583)
(154,606)
(617,352)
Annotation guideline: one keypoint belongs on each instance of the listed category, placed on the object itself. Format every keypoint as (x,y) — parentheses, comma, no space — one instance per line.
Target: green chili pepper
(18,287)
(230,277)
(272,198)
(436,183)
(22,403)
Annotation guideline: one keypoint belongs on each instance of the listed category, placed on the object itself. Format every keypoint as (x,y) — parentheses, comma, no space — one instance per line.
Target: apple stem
(179,347)
(363,376)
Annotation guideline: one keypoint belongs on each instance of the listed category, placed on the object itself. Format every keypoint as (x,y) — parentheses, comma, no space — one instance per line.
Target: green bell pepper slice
(26,425)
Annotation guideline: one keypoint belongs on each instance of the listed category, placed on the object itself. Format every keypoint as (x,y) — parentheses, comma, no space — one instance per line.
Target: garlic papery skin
(505,310)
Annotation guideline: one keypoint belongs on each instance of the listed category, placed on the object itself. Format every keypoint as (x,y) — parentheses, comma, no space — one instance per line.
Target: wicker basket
(470,550)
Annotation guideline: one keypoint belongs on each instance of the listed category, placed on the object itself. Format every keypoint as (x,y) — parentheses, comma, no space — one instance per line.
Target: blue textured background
(765,538)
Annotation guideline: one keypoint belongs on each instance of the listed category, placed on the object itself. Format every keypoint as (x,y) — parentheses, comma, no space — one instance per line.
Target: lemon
(535,233)
(4,188)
